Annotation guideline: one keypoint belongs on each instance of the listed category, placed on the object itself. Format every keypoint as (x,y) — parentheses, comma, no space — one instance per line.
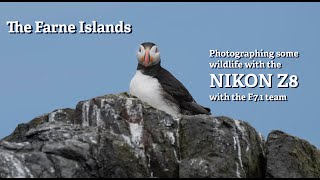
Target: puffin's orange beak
(146,58)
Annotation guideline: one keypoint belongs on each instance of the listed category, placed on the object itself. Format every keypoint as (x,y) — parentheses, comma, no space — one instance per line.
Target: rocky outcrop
(219,147)
(119,136)
(291,157)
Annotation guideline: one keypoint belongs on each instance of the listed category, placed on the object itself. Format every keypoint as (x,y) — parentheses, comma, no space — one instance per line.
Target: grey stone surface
(219,147)
(117,135)
(291,157)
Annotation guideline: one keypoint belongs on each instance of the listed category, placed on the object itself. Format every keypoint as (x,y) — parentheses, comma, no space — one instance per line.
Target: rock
(63,115)
(53,149)
(118,136)
(290,157)
(215,147)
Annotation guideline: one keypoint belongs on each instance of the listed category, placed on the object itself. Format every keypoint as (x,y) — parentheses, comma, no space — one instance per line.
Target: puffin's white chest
(149,90)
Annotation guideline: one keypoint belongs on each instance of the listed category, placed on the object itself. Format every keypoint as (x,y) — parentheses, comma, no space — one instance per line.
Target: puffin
(159,88)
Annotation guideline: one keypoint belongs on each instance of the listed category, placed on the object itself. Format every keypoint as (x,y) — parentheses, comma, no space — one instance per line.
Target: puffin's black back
(174,90)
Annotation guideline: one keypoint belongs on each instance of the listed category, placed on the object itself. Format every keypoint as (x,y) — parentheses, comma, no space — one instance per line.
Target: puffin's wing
(195,108)
(176,92)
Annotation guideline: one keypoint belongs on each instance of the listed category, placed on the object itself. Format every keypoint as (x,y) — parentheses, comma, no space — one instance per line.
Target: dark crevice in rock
(55,167)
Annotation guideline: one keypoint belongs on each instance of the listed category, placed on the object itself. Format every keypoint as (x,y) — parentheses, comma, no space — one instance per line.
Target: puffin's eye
(157,50)
(139,49)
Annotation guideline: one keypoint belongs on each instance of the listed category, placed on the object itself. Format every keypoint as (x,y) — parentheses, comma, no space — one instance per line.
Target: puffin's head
(148,54)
